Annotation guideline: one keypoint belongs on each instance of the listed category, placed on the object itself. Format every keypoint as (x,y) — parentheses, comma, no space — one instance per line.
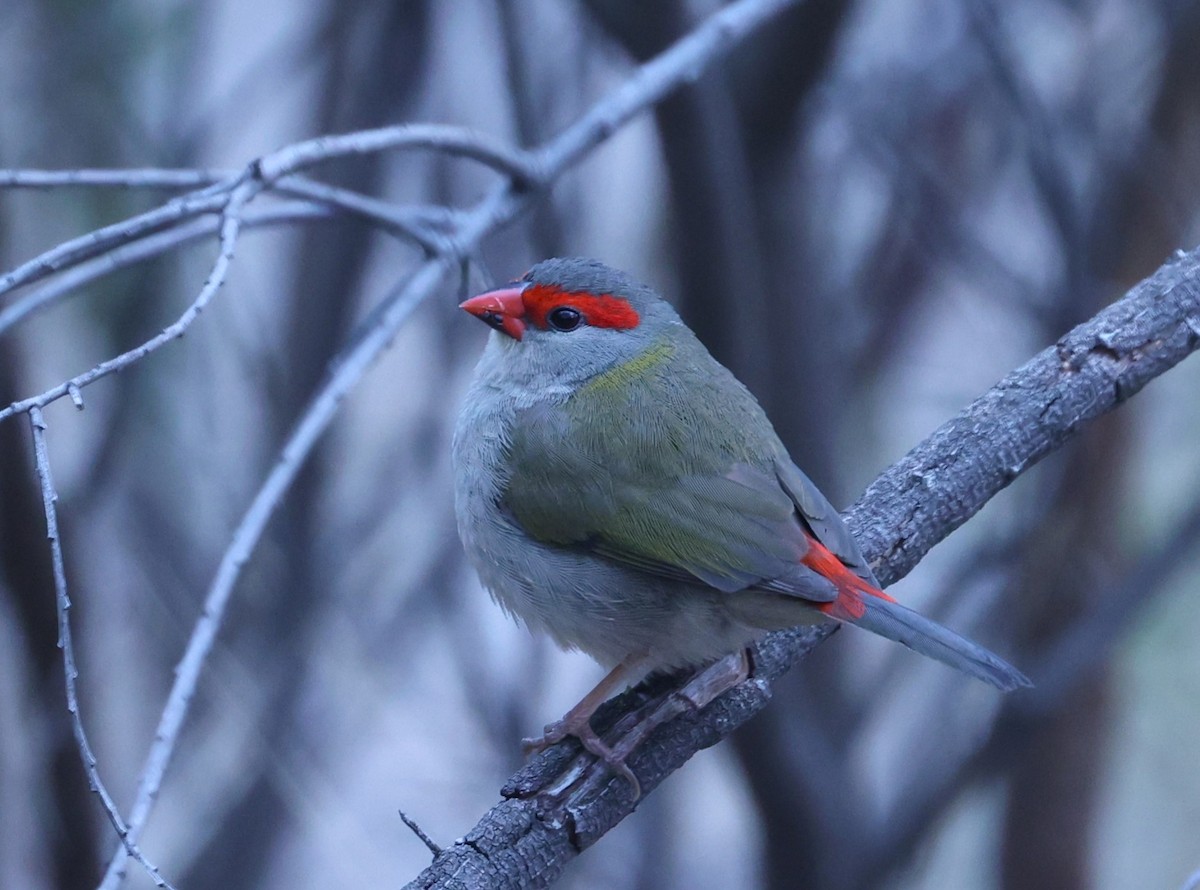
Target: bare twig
(519,166)
(459,141)
(420,833)
(231,222)
(300,443)
(149,178)
(420,224)
(142,249)
(423,226)
(69,253)
(63,602)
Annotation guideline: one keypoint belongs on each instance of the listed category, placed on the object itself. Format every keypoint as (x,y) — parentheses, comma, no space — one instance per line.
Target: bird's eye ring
(564,318)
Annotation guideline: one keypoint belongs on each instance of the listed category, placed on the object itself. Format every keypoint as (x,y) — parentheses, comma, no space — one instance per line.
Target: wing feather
(661,491)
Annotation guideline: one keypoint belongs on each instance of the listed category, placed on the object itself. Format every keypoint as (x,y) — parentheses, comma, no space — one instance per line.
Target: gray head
(569,319)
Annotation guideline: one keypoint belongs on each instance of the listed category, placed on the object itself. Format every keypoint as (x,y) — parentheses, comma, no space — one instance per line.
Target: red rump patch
(598,310)
(849,604)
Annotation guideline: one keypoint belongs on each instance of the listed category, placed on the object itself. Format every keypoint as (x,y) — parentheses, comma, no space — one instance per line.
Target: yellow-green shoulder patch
(626,372)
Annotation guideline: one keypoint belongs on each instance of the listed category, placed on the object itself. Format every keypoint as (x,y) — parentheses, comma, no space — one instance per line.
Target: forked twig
(231,223)
(416,829)
(62,599)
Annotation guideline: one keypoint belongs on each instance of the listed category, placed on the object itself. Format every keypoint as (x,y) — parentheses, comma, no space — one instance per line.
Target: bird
(618,489)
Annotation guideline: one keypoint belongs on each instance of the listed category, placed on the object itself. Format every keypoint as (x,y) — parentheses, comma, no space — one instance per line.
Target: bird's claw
(592,743)
(632,729)
(552,734)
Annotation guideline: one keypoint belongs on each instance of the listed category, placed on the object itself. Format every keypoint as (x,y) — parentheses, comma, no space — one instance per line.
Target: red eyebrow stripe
(600,310)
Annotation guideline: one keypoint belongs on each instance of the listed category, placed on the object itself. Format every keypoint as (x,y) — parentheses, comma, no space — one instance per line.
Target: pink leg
(577,721)
(704,686)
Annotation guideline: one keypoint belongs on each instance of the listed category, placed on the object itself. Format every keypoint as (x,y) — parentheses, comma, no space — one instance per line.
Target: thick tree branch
(945,480)
(912,506)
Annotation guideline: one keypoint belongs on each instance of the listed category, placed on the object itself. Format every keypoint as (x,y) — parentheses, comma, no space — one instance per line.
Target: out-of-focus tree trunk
(1053,791)
(1053,794)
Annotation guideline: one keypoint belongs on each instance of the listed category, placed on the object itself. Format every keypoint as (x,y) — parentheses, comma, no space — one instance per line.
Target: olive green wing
(652,489)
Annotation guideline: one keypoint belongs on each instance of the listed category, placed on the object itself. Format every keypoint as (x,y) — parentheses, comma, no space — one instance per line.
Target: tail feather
(894,621)
(864,605)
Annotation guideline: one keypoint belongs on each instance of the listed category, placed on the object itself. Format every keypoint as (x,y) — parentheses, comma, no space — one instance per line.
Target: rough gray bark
(946,479)
(916,503)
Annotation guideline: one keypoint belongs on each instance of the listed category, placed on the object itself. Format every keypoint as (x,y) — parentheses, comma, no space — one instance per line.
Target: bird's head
(568,319)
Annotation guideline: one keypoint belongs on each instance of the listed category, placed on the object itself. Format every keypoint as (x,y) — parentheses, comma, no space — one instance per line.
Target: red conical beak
(502,309)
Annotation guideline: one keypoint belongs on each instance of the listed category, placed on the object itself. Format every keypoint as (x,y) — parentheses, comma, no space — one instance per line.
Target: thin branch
(459,141)
(421,225)
(231,221)
(913,505)
(519,166)
(152,178)
(682,63)
(678,65)
(69,253)
(63,602)
(313,423)
(420,833)
(146,248)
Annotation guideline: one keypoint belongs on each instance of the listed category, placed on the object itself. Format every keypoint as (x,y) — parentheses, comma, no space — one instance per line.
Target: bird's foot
(592,743)
(552,734)
(704,686)
(586,775)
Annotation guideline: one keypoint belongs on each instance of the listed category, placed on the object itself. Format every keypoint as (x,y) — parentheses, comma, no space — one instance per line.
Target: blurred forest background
(870,211)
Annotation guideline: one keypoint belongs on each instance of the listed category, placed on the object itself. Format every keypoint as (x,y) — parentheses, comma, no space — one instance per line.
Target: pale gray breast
(478,453)
(481,473)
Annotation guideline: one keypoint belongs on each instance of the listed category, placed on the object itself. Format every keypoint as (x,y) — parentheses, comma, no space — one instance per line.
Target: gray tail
(918,633)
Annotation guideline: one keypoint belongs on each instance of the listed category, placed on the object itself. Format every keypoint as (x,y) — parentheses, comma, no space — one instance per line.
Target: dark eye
(564,318)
